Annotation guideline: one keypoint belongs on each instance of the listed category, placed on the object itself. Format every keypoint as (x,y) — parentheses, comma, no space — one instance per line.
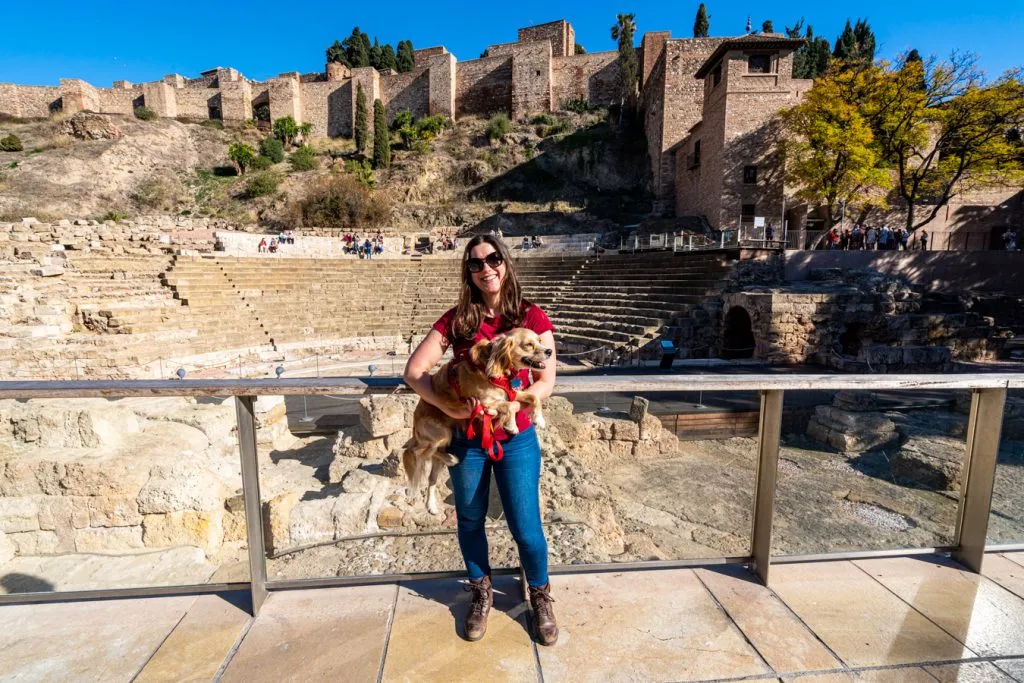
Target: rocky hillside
(554,171)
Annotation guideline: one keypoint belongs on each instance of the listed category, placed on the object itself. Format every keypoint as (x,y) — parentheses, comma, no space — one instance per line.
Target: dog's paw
(432,506)
(449,460)
(514,407)
(538,419)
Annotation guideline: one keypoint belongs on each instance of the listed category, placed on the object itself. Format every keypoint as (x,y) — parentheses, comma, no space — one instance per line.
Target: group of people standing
(872,239)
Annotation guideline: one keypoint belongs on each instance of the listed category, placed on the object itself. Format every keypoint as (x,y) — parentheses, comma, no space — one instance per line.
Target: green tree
(865,41)
(830,152)
(948,136)
(811,60)
(242,155)
(701,25)
(914,58)
(272,148)
(767,26)
(285,129)
(579,49)
(405,60)
(336,53)
(375,54)
(362,120)
(357,48)
(381,136)
(623,31)
(387,58)
(846,43)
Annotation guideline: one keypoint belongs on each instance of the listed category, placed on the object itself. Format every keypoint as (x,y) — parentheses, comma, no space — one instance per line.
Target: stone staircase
(620,303)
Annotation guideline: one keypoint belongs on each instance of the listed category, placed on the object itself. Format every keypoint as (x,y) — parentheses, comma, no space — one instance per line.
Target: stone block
(850,432)
(356,442)
(26,477)
(48,271)
(34,542)
(19,514)
(328,519)
(389,517)
(108,539)
(85,423)
(113,511)
(931,462)
(383,415)
(104,477)
(359,481)
(6,548)
(276,515)
(203,529)
(183,485)
(61,513)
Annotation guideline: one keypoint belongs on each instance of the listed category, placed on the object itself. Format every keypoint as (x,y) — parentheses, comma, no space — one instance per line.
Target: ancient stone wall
(424,56)
(651,48)
(558,33)
(327,106)
(29,101)
(483,86)
(235,100)
(409,90)
(197,101)
(531,78)
(442,85)
(285,94)
(119,100)
(592,77)
(77,95)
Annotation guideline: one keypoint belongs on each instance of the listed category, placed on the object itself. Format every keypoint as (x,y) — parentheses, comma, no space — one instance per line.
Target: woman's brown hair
(469,312)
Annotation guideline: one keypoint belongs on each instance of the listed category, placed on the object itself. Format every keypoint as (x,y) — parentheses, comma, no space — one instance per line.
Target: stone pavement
(897,619)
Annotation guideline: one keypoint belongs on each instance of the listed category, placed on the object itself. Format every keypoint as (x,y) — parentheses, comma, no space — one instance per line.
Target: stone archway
(738,334)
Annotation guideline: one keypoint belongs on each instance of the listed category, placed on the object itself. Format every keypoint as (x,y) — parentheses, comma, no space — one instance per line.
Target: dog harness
(507,384)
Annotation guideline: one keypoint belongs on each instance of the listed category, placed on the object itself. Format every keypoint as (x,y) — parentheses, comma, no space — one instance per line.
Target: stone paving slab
(859,619)
(659,625)
(970,672)
(1006,573)
(95,640)
(329,633)
(984,616)
(779,636)
(201,643)
(427,643)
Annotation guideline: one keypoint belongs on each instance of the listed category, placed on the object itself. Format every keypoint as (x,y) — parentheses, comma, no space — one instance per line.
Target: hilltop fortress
(540,72)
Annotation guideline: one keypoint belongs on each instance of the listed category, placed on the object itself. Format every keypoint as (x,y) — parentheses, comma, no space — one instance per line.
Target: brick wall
(483,86)
(531,78)
(651,47)
(593,77)
(28,101)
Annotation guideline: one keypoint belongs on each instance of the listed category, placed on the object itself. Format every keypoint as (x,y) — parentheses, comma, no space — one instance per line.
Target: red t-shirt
(533,319)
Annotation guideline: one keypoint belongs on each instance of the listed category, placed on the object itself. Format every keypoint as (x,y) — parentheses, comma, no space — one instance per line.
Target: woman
(491,303)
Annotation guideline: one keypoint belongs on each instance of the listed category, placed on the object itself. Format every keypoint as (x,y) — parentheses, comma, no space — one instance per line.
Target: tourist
(844,240)
(922,239)
(491,303)
(883,237)
(1010,238)
(368,248)
(526,243)
(857,238)
(872,238)
(273,245)
(262,248)
(904,239)
(832,239)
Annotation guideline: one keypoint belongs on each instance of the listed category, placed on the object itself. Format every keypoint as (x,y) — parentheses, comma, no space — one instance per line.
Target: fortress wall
(483,86)
(424,56)
(593,77)
(77,95)
(328,107)
(161,98)
(410,90)
(442,85)
(531,78)
(194,101)
(558,33)
(285,95)
(236,100)
(28,101)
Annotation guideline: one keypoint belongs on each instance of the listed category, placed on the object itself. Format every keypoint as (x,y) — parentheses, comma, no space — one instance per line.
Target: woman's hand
(464,410)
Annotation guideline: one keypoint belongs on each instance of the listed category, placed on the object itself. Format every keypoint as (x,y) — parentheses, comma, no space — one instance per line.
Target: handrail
(567,384)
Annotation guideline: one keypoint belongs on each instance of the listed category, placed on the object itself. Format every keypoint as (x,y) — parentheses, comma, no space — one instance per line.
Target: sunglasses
(475,265)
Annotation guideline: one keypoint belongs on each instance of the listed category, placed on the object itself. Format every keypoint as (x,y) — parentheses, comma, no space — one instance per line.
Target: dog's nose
(547,353)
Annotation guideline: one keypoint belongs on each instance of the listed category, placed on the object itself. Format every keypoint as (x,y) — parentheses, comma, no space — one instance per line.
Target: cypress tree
(865,40)
(375,54)
(362,119)
(846,44)
(767,26)
(387,58)
(822,55)
(336,53)
(406,61)
(357,50)
(701,25)
(381,137)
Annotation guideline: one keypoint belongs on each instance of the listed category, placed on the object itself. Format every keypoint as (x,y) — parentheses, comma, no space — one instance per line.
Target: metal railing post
(245,411)
(768,436)
(983,431)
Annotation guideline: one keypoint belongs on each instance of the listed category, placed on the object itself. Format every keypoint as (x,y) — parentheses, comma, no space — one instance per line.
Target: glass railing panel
(107,494)
(1006,519)
(868,470)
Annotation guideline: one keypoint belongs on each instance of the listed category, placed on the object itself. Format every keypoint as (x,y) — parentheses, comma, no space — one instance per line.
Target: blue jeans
(518,479)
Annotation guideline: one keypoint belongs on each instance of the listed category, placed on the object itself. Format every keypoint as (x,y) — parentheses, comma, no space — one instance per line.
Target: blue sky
(142,41)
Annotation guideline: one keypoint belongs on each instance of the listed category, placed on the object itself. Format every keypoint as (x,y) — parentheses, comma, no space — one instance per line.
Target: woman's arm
(544,380)
(417,374)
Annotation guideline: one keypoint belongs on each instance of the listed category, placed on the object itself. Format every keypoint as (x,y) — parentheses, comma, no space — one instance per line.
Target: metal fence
(969,540)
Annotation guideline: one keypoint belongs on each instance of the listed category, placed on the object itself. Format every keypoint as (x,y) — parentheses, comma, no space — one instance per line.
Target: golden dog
(502,357)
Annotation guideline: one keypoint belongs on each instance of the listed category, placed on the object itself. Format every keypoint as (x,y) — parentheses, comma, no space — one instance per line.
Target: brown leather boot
(483,598)
(544,615)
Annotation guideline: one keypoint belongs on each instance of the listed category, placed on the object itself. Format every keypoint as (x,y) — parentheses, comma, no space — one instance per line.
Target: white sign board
(758,221)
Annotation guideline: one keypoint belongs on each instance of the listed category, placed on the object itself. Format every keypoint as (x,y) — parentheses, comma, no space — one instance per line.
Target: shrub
(558,128)
(402,120)
(529,150)
(498,126)
(212,123)
(340,201)
(11,143)
(303,159)
(362,171)
(421,147)
(285,129)
(242,154)
(429,127)
(542,119)
(262,184)
(115,216)
(381,136)
(261,163)
(272,148)
(578,105)
(145,113)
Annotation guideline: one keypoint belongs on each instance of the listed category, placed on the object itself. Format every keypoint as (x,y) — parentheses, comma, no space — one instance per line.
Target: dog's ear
(480,353)
(500,361)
